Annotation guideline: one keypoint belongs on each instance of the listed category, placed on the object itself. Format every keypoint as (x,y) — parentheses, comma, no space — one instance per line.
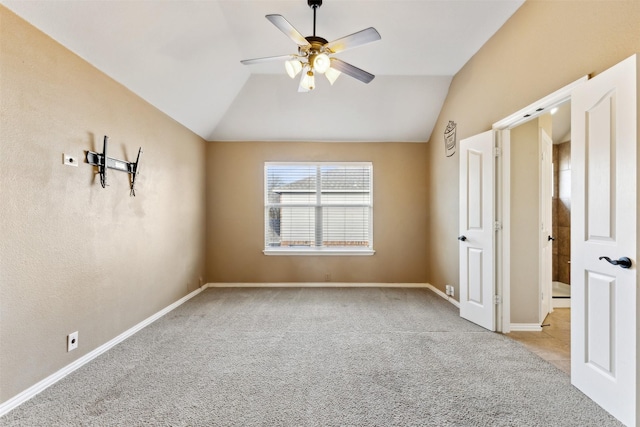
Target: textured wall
(75,256)
(543,47)
(235,214)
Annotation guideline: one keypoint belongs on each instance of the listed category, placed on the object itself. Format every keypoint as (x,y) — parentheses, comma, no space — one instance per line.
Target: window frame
(314,250)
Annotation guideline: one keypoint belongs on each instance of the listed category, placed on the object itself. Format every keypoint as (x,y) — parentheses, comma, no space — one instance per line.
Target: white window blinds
(311,207)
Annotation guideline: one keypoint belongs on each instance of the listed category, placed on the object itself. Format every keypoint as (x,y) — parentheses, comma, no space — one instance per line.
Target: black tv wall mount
(103,163)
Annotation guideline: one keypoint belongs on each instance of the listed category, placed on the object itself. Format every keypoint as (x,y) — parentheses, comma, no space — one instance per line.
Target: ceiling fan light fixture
(308,81)
(321,63)
(315,54)
(293,67)
(332,75)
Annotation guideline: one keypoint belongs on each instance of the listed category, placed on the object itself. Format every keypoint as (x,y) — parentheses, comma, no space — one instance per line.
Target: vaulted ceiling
(183,57)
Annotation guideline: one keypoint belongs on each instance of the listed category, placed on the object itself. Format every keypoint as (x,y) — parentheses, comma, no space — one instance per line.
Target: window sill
(317,252)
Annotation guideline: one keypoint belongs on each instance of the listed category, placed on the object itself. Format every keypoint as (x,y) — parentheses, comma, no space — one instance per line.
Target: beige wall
(235,214)
(543,47)
(75,256)
(525,219)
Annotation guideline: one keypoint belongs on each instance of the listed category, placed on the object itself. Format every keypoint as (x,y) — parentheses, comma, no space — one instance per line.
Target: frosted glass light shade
(308,81)
(293,67)
(321,63)
(332,75)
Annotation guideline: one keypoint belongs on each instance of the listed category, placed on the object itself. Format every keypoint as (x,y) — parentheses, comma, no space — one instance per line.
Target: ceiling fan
(315,53)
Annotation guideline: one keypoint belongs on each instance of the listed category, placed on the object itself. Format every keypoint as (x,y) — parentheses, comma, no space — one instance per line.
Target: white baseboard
(22,397)
(525,327)
(443,295)
(317,285)
(561,302)
(334,285)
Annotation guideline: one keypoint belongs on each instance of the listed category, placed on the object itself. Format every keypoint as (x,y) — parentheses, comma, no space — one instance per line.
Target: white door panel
(604,224)
(546,249)
(477,184)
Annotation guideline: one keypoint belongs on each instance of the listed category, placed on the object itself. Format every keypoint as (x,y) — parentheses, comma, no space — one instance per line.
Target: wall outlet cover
(70,160)
(72,341)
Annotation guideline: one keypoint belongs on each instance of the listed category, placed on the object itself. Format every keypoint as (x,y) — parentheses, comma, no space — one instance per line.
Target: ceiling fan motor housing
(315,46)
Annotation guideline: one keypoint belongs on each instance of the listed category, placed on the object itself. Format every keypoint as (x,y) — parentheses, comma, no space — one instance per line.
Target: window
(318,208)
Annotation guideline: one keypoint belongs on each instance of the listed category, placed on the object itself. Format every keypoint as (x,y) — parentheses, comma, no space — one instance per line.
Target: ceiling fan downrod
(314,4)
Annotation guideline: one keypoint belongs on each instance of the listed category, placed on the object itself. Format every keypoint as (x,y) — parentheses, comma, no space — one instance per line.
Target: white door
(477,184)
(546,250)
(604,224)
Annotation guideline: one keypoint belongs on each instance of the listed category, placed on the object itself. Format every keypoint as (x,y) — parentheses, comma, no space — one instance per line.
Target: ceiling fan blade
(352,71)
(284,26)
(267,59)
(365,36)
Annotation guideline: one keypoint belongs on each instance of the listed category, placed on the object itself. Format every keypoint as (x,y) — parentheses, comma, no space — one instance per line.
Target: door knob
(462,238)
(549,238)
(623,262)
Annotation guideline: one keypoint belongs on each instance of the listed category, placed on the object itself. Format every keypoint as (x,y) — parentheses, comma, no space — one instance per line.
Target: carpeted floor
(313,357)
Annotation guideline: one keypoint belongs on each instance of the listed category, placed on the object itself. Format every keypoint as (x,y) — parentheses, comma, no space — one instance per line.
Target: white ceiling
(183,57)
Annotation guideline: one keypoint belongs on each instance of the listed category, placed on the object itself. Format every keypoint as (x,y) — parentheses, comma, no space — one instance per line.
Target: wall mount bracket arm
(103,162)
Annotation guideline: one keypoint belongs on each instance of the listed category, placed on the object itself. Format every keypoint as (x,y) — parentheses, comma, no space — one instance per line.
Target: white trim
(318,252)
(335,285)
(317,285)
(57,376)
(544,287)
(525,327)
(539,107)
(505,217)
(503,128)
(561,302)
(335,163)
(502,242)
(443,295)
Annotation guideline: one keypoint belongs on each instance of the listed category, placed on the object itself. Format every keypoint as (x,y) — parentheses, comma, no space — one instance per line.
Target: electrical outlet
(449,290)
(72,341)
(452,291)
(69,160)
(327,277)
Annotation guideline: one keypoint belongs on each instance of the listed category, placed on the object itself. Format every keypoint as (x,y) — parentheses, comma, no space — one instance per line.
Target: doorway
(553,342)
(515,297)
(540,158)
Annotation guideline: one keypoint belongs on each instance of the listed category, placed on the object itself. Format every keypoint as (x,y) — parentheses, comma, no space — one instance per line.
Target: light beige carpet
(314,357)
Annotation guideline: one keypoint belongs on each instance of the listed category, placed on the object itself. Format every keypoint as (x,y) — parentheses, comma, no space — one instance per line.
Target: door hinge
(497,225)
(496,299)
(497,151)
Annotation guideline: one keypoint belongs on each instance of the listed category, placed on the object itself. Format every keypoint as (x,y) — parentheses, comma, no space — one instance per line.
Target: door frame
(502,132)
(546,262)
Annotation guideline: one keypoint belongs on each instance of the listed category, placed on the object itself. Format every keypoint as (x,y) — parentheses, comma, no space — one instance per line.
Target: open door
(546,249)
(477,242)
(604,359)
